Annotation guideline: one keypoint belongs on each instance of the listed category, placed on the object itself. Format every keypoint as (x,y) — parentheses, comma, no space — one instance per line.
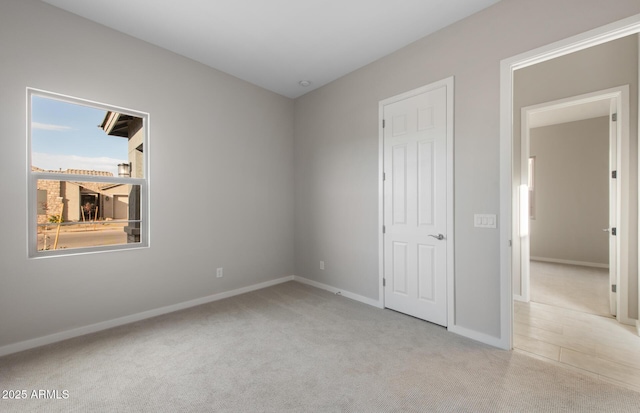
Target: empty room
(309,205)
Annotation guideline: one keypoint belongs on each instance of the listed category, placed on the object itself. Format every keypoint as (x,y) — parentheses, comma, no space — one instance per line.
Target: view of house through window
(87,177)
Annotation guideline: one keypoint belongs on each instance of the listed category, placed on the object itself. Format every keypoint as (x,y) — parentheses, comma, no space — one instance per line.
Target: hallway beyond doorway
(572,287)
(566,323)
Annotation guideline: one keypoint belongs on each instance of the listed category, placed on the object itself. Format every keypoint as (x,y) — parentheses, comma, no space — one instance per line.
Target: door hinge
(384,229)
(383,123)
(614,117)
(384,176)
(614,288)
(614,231)
(384,282)
(614,174)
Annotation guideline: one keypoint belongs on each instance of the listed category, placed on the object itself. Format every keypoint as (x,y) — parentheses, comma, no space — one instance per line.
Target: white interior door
(415,205)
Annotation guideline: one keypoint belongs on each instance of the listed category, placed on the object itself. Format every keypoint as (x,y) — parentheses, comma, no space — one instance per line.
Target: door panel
(399,179)
(399,275)
(426,174)
(426,272)
(415,205)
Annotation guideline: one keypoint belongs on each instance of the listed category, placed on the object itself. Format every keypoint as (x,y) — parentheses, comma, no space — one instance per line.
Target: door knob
(605,229)
(439,237)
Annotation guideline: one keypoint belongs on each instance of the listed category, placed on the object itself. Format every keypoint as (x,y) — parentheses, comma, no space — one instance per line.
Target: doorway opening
(571,178)
(509,236)
(593,344)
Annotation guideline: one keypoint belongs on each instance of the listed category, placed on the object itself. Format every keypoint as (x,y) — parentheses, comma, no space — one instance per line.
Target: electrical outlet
(219,272)
(322,265)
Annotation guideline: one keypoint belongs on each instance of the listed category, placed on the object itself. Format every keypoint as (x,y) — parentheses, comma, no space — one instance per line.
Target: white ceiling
(277,43)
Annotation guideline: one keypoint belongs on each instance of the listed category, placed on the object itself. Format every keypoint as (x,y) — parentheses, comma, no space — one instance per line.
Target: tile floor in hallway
(593,344)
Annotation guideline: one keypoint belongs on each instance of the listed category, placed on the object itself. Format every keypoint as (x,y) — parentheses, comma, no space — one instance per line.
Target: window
(88,174)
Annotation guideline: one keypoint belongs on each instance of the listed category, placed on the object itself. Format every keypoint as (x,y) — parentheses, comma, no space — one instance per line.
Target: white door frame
(613,31)
(619,96)
(448,83)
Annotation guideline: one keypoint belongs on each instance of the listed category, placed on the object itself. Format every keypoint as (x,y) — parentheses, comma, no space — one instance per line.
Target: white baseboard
(353,296)
(519,297)
(80,331)
(481,337)
(581,263)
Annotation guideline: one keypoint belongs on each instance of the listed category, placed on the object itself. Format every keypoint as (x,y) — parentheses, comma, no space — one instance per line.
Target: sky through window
(68,136)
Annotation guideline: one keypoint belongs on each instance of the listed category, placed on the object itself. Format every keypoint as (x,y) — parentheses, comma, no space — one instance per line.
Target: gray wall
(221,176)
(601,67)
(571,191)
(336,147)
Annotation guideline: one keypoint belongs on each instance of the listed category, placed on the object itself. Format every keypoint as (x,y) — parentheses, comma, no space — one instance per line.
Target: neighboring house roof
(92,186)
(109,186)
(116,124)
(86,172)
(74,171)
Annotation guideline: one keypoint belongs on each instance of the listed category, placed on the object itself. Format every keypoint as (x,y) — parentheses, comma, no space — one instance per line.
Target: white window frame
(34,176)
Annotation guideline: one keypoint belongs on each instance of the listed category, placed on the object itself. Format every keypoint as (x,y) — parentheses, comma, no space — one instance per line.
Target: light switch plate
(485,221)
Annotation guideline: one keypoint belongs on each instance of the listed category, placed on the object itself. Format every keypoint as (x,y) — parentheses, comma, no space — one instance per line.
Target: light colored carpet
(295,348)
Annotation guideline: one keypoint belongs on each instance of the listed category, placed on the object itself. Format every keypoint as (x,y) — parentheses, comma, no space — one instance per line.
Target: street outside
(85,236)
